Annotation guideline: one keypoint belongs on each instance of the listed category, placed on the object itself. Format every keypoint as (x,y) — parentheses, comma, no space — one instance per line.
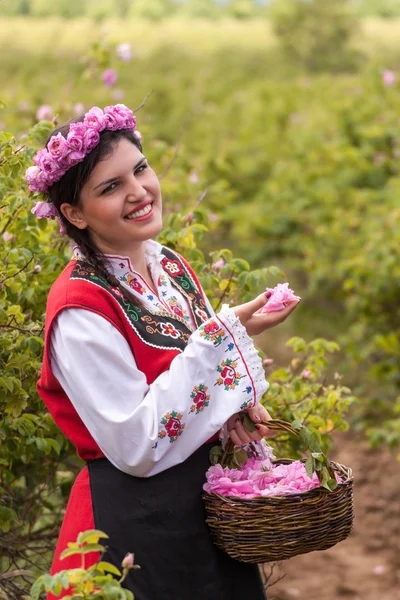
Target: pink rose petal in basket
(255,480)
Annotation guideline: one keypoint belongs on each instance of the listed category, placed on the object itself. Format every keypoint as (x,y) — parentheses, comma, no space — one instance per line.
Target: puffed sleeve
(144,429)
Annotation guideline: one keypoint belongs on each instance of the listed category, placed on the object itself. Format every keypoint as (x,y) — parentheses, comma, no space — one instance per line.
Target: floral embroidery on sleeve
(250,401)
(172,426)
(200,398)
(212,332)
(229,377)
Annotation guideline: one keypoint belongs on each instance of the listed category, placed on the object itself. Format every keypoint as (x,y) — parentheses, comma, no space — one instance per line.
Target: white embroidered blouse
(205,384)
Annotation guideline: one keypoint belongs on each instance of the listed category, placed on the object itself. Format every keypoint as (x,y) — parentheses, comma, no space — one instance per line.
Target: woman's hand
(255,321)
(238,432)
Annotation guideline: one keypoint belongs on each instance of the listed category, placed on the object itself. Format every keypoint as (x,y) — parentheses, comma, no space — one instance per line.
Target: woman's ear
(74,215)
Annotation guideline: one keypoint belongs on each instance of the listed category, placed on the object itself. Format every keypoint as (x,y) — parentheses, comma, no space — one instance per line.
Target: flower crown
(63,153)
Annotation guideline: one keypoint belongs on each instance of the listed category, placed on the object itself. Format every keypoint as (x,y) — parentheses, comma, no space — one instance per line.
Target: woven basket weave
(274,528)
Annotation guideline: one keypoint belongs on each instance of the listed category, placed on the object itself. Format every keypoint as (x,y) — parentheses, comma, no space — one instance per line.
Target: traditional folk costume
(142,392)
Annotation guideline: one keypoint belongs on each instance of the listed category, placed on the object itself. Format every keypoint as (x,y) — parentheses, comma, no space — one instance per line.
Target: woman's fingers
(247,310)
(238,432)
(255,321)
(259,413)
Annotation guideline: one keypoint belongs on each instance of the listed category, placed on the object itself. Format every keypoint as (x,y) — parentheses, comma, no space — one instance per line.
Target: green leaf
(305,435)
(241,455)
(69,552)
(91,536)
(332,484)
(92,548)
(314,443)
(216,454)
(309,465)
(318,455)
(37,588)
(247,422)
(41,444)
(106,566)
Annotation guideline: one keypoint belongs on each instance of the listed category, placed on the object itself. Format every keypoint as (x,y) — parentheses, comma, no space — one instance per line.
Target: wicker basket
(274,528)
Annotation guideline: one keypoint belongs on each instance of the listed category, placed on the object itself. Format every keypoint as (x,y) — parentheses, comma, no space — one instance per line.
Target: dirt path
(366,566)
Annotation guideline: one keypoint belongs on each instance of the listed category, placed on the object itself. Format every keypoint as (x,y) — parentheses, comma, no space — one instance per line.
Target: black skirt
(161,519)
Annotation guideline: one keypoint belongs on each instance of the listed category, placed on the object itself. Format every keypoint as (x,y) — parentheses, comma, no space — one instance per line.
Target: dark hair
(69,187)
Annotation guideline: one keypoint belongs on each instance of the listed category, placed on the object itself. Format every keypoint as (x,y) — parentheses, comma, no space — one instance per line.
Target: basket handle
(276,424)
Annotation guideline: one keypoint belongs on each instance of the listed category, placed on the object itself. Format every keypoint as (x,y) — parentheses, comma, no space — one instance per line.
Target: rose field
(278,152)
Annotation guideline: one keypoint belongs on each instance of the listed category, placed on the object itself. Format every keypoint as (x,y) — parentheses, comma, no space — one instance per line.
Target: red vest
(154,338)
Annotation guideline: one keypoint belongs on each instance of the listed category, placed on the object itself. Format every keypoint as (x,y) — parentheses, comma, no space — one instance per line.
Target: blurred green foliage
(155,10)
(317,33)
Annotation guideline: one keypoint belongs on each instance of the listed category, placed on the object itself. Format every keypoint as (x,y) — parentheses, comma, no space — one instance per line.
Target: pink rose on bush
(109,77)
(44,113)
(79,109)
(118,94)
(281,295)
(388,77)
(218,264)
(124,52)
(128,561)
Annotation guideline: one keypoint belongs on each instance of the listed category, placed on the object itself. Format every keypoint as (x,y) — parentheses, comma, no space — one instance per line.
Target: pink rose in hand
(281,295)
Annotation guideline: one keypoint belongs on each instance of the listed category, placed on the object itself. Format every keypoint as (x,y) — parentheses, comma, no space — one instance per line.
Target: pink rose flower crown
(62,153)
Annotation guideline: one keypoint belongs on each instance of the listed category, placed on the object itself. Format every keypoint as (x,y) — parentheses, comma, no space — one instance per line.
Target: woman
(138,372)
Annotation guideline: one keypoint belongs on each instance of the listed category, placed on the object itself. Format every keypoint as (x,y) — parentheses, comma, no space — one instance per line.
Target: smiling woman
(126,353)
(120,204)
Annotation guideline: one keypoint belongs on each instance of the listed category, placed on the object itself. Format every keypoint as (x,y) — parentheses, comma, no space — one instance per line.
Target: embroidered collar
(153,250)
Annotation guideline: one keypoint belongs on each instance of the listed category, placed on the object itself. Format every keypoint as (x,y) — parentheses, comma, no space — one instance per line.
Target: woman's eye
(141,169)
(109,188)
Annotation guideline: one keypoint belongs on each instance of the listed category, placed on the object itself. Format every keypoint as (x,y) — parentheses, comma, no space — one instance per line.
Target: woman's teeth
(140,213)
